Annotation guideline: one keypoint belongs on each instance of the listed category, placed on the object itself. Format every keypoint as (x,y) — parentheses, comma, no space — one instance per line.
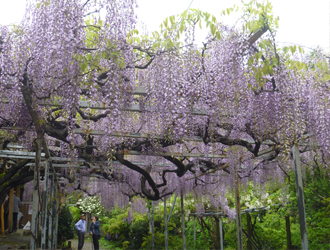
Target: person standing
(95,232)
(81,227)
(16,205)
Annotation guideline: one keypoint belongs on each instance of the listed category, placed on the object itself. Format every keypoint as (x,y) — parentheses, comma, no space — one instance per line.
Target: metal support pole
(183,224)
(149,213)
(50,218)
(169,217)
(44,208)
(194,232)
(165,221)
(249,231)
(300,196)
(88,215)
(221,236)
(238,213)
(35,192)
(153,227)
(56,212)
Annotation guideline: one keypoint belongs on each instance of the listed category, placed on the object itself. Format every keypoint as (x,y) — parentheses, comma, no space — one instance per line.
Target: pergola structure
(220,215)
(51,162)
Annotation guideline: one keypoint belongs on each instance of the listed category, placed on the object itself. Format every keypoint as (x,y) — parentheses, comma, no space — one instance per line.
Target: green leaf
(184,14)
(166,23)
(213,29)
(172,19)
(293,49)
(218,35)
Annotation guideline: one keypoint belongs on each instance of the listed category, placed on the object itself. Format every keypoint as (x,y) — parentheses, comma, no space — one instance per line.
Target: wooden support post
(2,220)
(165,221)
(194,232)
(18,191)
(152,226)
(183,224)
(50,218)
(44,207)
(169,217)
(288,233)
(221,235)
(249,231)
(300,196)
(238,213)
(11,208)
(2,208)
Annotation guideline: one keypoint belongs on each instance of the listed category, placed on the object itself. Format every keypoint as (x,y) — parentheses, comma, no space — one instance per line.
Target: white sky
(303,22)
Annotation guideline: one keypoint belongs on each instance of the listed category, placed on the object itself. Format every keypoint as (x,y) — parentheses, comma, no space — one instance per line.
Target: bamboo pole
(57,210)
(300,196)
(152,226)
(169,217)
(165,221)
(221,236)
(50,218)
(249,231)
(238,213)
(183,224)
(44,208)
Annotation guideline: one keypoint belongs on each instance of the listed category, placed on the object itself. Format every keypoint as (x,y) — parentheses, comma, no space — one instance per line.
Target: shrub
(138,230)
(65,228)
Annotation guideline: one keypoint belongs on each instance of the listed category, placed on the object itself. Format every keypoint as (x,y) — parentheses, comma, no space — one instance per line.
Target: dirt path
(14,240)
(87,245)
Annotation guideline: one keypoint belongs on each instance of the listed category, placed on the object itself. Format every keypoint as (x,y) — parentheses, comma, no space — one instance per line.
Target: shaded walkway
(15,240)
(87,244)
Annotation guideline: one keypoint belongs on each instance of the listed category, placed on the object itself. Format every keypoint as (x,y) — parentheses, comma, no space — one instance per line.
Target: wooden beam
(31,155)
(130,134)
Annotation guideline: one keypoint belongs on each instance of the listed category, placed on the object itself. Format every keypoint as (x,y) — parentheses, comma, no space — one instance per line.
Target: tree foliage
(68,77)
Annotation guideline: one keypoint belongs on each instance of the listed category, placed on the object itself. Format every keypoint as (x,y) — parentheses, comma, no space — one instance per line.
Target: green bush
(76,213)
(65,228)
(138,230)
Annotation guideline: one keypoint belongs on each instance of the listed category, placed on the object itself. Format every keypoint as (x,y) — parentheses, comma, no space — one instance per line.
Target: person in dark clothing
(81,227)
(16,205)
(95,232)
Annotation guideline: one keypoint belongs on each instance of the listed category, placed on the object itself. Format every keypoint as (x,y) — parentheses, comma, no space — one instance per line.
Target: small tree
(65,225)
